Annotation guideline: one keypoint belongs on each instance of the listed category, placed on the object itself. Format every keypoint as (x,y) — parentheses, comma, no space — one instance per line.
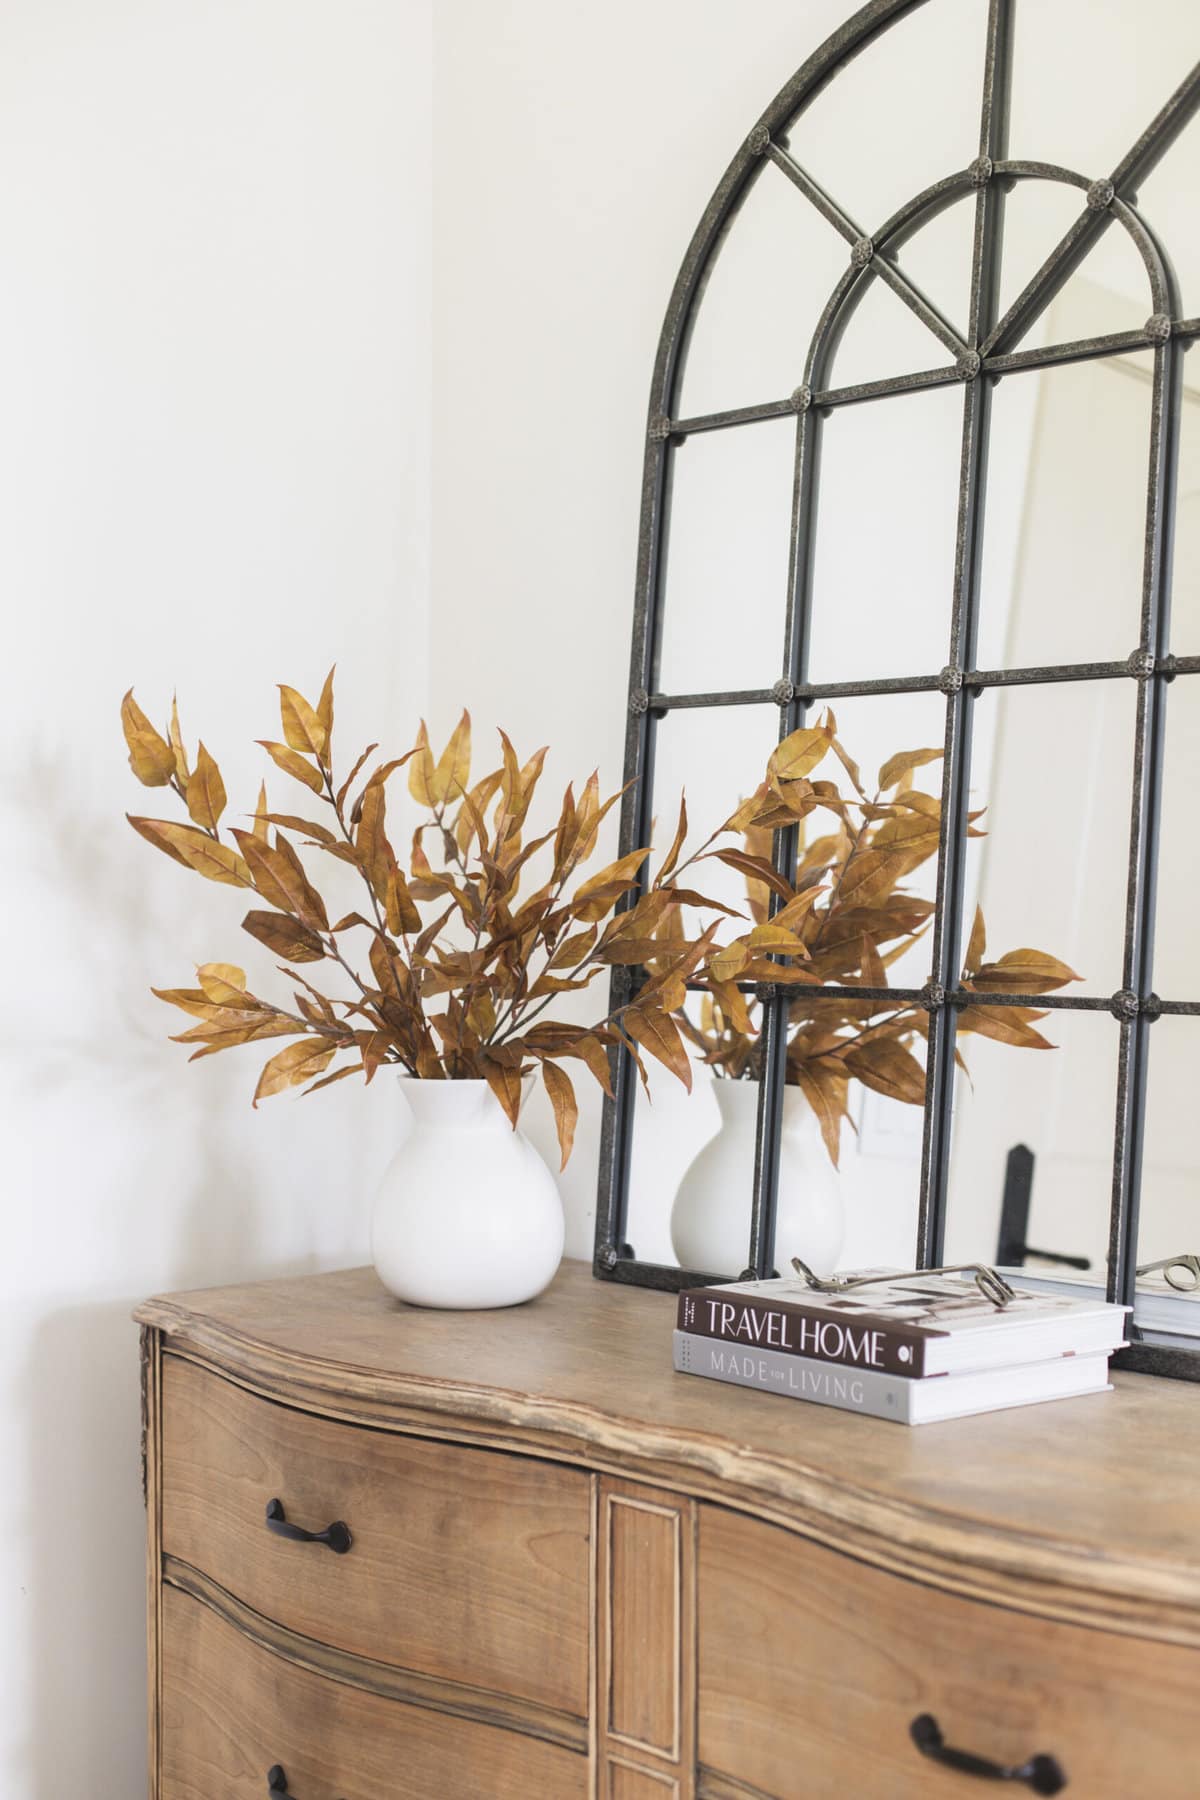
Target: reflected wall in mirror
(1167,1298)
(921,450)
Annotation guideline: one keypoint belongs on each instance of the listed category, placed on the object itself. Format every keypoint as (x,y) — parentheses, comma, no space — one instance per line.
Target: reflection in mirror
(1110,290)
(1064,534)
(1061,469)
(1089,75)
(883,567)
(1185,582)
(938,258)
(691,1175)
(727,559)
(884,337)
(1167,202)
(1058,1103)
(1052,773)
(766,289)
(715,757)
(856,1068)
(894,122)
(1036,215)
(864,885)
(1176,969)
(1168,1299)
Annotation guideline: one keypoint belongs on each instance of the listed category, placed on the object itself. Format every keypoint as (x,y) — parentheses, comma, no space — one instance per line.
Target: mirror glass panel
(1058,582)
(727,545)
(1176,963)
(883,565)
(1185,585)
(766,289)
(1058,1103)
(1167,202)
(1064,533)
(692,1165)
(713,757)
(1052,778)
(883,337)
(901,115)
(1168,1299)
(1089,76)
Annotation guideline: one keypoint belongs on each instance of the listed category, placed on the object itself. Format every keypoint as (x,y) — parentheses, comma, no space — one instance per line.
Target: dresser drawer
(232,1711)
(812,1668)
(466,1565)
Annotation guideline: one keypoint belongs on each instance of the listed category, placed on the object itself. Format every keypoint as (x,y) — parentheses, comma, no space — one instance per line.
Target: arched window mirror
(921,450)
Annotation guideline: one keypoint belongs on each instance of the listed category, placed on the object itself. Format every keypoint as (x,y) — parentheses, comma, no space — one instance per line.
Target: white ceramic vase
(710,1217)
(467,1213)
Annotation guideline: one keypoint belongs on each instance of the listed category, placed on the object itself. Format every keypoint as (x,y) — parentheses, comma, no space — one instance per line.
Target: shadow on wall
(130,1174)
(83,1522)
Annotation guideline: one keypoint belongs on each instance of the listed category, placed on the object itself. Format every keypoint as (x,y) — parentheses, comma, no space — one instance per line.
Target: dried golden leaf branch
(455,966)
(851,918)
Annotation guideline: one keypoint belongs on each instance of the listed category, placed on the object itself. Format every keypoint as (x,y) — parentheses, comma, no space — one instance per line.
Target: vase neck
(465,1105)
(738,1100)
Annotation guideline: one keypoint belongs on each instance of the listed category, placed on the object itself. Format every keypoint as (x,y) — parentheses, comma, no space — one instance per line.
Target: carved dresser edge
(1050,1577)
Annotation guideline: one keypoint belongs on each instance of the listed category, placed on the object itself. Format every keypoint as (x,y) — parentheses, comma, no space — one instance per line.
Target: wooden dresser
(557,1569)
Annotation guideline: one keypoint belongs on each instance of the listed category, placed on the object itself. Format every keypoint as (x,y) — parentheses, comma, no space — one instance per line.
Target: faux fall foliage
(855,920)
(450,970)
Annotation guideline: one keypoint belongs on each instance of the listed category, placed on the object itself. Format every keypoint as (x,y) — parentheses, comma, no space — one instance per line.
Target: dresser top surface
(1073,1507)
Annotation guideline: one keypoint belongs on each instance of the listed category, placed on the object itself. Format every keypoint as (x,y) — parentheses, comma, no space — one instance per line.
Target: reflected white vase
(710,1217)
(467,1214)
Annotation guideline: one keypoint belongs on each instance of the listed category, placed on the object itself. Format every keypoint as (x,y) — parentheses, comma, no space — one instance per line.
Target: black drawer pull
(276,1779)
(336,1537)
(1041,1773)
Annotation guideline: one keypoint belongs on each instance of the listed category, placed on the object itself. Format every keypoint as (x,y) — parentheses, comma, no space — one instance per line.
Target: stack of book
(910,1348)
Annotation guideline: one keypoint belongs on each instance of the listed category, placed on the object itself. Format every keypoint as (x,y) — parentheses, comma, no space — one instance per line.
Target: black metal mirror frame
(987,353)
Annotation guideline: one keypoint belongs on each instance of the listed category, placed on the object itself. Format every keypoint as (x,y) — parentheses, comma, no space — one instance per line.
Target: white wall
(214,327)
(574,154)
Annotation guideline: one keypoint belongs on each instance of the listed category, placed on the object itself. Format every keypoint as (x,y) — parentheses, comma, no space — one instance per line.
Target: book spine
(863,1342)
(800,1377)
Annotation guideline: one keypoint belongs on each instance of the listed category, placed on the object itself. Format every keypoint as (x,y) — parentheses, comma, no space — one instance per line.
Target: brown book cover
(900,1323)
(837,1329)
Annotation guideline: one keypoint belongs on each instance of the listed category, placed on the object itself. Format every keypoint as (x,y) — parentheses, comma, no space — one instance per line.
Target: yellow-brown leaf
(903,763)
(1006,1024)
(177,747)
(325,707)
(299,1063)
(728,962)
(798,755)
(278,875)
(420,770)
(1023,972)
(505,1082)
(453,771)
(658,1035)
(195,849)
(293,764)
(566,1107)
(302,727)
(206,791)
(150,755)
(261,816)
(284,936)
(977,947)
(223,983)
